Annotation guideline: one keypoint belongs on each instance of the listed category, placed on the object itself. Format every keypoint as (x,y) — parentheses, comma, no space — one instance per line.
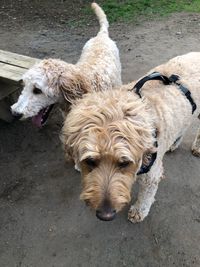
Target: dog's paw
(135,215)
(196,152)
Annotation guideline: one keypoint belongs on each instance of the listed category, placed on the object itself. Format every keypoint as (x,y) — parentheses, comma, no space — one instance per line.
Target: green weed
(131,10)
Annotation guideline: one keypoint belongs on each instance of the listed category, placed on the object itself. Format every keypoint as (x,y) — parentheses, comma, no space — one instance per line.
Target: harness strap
(146,168)
(172,79)
(150,77)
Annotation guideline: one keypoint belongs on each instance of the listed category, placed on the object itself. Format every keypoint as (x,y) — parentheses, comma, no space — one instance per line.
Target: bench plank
(11,73)
(17,60)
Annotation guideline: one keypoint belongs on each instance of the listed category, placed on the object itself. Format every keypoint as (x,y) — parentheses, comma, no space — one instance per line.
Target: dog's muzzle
(106,216)
(17,115)
(106,212)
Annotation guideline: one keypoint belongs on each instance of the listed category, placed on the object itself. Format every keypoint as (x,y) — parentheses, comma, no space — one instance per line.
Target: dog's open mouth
(40,119)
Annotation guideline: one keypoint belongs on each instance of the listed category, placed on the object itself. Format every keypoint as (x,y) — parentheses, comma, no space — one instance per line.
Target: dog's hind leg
(148,185)
(196,145)
(176,144)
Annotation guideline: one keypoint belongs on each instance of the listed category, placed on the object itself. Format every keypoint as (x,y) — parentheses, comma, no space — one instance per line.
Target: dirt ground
(42,221)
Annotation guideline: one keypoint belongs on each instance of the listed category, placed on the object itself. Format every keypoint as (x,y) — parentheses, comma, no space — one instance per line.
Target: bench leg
(5,113)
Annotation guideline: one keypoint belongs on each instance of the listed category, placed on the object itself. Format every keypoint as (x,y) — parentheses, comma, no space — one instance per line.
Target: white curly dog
(53,81)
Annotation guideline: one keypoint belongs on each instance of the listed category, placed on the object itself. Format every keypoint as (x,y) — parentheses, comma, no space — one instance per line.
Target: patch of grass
(74,23)
(130,10)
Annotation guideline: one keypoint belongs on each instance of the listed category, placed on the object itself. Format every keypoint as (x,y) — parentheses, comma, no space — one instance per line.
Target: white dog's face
(37,97)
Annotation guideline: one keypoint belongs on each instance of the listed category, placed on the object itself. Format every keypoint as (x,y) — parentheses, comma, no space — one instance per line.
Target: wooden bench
(12,67)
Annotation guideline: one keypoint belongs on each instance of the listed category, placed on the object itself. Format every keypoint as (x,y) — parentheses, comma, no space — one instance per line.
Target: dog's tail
(101,17)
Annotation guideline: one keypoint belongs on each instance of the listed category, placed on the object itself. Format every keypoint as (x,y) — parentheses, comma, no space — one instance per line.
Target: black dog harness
(167,81)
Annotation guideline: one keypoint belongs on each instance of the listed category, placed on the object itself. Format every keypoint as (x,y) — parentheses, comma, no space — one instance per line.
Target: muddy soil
(42,221)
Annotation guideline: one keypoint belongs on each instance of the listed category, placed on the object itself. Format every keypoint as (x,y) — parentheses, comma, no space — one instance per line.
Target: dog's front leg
(148,185)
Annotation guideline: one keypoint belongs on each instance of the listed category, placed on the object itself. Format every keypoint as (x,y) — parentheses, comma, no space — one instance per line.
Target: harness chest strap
(145,168)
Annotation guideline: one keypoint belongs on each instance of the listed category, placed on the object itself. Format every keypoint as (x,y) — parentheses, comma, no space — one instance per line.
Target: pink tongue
(37,119)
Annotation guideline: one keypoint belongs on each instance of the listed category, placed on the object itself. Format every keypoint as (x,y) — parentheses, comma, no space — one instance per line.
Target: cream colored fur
(117,126)
(98,68)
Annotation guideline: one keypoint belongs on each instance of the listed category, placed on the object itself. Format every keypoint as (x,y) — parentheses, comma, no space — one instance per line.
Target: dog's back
(100,55)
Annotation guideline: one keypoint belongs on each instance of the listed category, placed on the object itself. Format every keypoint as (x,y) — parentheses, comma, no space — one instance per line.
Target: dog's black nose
(106,215)
(17,115)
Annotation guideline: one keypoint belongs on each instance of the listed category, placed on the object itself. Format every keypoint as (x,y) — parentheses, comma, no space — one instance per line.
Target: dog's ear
(68,150)
(70,141)
(72,86)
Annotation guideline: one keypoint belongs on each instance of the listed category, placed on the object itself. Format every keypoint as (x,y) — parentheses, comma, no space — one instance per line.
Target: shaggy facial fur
(110,135)
(53,80)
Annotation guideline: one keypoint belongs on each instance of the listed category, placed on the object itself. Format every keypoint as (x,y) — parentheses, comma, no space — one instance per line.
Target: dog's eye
(37,91)
(92,163)
(123,164)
